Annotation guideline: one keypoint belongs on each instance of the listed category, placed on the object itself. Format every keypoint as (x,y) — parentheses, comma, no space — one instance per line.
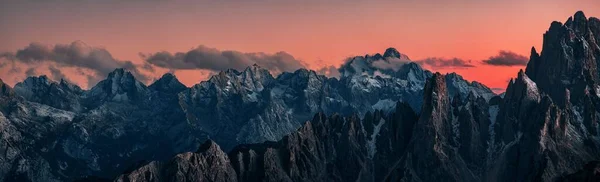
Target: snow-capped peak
(120,85)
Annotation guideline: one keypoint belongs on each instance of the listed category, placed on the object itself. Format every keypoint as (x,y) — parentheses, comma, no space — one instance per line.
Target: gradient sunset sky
(318,33)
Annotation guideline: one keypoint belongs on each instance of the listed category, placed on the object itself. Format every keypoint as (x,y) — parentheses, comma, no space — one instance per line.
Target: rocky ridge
(378,147)
(104,131)
(545,128)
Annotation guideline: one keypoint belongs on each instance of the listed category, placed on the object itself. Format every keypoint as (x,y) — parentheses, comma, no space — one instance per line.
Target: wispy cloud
(439,62)
(507,58)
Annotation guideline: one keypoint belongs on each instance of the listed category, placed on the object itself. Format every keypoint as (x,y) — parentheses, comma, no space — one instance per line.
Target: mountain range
(64,132)
(384,119)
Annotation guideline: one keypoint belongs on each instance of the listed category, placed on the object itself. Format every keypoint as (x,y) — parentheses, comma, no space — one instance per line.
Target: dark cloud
(148,67)
(78,55)
(30,72)
(14,69)
(437,62)
(56,74)
(213,59)
(329,71)
(507,58)
(92,79)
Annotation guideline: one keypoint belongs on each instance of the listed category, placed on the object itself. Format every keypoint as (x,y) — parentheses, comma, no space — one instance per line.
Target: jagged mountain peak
(530,88)
(66,84)
(209,163)
(254,70)
(457,84)
(257,72)
(435,89)
(392,52)
(534,55)
(302,78)
(454,76)
(168,82)
(251,78)
(42,84)
(70,87)
(207,145)
(413,72)
(120,73)
(568,60)
(391,61)
(168,75)
(578,23)
(436,138)
(375,57)
(36,80)
(302,72)
(119,86)
(42,90)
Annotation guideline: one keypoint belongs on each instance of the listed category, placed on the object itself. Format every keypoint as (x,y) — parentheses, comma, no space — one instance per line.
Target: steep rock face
(433,152)
(521,96)
(589,173)
(568,60)
(209,163)
(382,146)
(333,148)
(548,121)
(304,155)
(472,123)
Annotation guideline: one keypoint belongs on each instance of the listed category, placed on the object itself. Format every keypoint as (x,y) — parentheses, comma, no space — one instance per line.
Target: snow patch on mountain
(385,105)
(372,147)
(493,113)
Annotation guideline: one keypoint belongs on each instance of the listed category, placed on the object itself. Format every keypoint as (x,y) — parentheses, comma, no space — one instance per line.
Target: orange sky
(318,33)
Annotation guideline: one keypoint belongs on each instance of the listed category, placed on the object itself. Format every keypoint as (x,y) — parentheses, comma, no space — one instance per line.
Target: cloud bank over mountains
(93,64)
(203,57)
(74,55)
